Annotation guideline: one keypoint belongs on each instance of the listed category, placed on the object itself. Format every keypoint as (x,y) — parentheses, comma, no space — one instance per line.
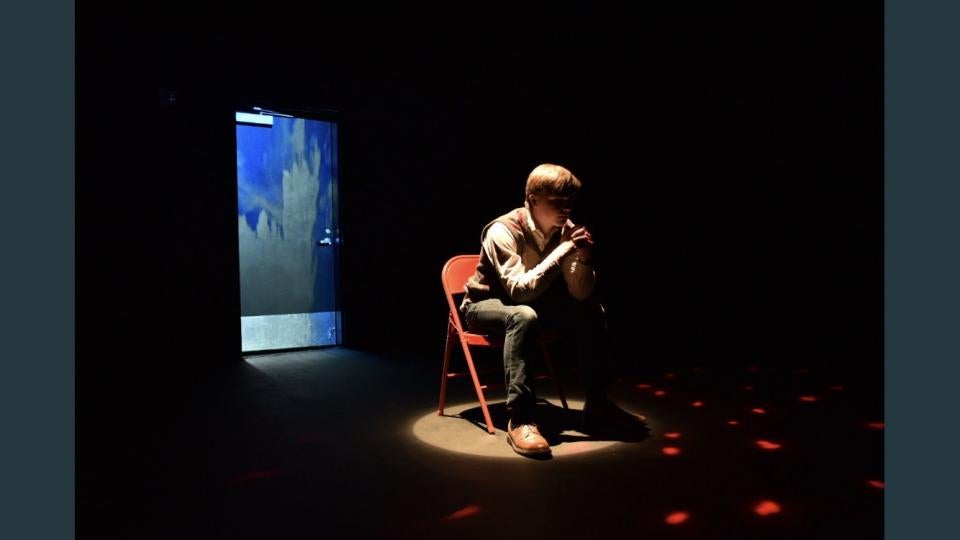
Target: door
(287,217)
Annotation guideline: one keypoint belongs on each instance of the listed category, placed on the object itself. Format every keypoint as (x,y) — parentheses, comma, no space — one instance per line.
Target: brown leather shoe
(526,440)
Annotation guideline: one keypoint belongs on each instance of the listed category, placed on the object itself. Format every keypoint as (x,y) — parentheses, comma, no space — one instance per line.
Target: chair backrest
(454,276)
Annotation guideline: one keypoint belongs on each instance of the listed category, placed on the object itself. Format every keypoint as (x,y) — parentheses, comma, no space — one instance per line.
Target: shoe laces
(527,429)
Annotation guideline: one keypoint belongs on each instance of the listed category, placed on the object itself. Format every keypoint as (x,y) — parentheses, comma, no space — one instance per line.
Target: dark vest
(485,282)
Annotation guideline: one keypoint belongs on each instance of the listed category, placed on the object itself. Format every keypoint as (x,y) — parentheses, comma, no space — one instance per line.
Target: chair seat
(481,340)
(484,340)
(489,340)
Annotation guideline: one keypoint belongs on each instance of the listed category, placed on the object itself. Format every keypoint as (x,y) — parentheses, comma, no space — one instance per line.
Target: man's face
(551,210)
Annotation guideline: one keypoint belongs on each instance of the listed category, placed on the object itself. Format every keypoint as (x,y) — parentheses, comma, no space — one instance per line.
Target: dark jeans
(582,321)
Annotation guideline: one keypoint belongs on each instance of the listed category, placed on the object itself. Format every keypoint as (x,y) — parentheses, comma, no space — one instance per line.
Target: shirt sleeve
(521,284)
(580,276)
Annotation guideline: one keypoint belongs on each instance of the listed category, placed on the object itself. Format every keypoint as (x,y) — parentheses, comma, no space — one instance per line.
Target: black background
(731,157)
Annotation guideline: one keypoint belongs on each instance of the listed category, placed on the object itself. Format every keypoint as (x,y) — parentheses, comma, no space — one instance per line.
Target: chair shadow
(557,425)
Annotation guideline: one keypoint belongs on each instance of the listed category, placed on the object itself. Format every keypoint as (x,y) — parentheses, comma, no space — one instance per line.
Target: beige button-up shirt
(527,276)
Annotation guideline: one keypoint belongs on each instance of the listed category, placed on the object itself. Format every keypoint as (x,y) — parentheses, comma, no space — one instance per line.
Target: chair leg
(445,375)
(553,374)
(476,385)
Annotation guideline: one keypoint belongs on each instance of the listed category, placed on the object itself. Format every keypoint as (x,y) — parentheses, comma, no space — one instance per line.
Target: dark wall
(731,161)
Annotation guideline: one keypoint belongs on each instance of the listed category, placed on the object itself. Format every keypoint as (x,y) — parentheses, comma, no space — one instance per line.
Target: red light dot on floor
(670,450)
(748,388)
(465,512)
(672,435)
(660,393)
(697,404)
(875,483)
(753,369)
(733,422)
(758,411)
(767,445)
(765,508)
(669,375)
(644,386)
(875,425)
(808,399)
(837,388)
(676,518)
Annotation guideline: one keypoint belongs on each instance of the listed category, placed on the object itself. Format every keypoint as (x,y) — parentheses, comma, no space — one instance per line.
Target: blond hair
(550,179)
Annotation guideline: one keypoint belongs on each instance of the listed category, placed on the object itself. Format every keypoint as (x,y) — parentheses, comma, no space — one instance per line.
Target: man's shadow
(559,425)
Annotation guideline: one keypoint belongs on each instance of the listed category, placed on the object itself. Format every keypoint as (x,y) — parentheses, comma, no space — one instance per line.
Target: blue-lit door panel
(289,241)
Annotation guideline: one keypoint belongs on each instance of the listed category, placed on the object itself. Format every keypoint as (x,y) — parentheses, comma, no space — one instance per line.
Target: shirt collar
(538,235)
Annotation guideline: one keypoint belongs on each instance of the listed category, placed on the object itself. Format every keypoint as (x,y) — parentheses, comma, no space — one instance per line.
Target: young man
(536,270)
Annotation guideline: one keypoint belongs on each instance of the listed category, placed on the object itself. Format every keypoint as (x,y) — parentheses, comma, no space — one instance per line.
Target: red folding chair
(454,276)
